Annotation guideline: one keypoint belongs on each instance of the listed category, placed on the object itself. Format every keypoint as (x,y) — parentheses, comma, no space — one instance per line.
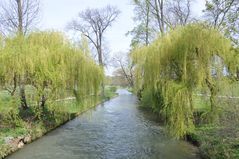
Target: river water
(118,129)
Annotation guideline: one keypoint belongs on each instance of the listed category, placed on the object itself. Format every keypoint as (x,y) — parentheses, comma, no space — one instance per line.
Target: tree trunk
(43,97)
(20,31)
(191,101)
(76,94)
(20,16)
(23,97)
(157,15)
(147,25)
(237,75)
(22,94)
(43,101)
(100,57)
(162,16)
(213,94)
(12,92)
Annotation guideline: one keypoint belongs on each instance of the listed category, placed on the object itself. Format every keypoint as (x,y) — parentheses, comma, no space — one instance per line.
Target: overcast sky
(57,13)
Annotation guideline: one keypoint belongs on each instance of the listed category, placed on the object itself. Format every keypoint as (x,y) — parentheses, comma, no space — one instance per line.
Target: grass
(220,140)
(110,92)
(18,131)
(217,142)
(200,104)
(226,90)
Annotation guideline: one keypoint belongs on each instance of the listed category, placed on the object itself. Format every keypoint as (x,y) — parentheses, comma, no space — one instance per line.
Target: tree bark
(22,94)
(100,56)
(212,100)
(237,75)
(20,17)
(147,24)
(23,97)
(14,85)
(43,101)
(162,15)
(102,66)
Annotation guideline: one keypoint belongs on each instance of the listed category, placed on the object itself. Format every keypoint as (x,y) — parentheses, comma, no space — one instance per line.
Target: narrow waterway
(118,129)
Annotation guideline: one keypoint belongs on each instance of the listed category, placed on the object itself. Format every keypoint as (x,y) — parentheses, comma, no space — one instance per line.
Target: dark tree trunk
(22,93)
(14,85)
(76,94)
(43,97)
(213,94)
(237,75)
(23,97)
(43,101)
(13,90)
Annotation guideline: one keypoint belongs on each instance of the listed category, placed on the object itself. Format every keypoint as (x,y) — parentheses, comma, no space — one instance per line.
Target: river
(117,129)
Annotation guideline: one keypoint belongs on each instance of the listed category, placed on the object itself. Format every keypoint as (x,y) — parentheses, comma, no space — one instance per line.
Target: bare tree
(118,78)
(157,8)
(179,12)
(125,66)
(155,17)
(93,23)
(18,16)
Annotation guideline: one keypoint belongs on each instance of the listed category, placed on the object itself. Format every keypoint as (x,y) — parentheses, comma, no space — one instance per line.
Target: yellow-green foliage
(233,61)
(51,65)
(172,67)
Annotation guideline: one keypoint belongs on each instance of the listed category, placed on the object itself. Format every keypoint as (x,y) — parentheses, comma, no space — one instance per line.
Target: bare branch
(92,23)
(18,15)
(179,12)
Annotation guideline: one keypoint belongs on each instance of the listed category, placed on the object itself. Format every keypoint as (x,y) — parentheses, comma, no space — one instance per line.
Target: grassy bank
(20,128)
(221,139)
(217,142)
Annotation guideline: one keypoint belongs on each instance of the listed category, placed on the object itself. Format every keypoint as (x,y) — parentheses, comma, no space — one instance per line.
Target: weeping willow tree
(174,67)
(234,64)
(48,64)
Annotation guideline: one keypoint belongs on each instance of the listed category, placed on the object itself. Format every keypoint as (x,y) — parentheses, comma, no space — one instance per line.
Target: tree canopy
(170,70)
(49,63)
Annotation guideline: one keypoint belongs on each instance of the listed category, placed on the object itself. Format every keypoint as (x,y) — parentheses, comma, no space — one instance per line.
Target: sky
(57,13)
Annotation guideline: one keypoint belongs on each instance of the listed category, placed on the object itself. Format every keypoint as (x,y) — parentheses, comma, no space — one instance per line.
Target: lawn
(221,139)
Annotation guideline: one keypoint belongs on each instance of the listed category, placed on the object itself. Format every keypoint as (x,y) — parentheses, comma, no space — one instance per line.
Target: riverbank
(29,129)
(216,143)
(218,140)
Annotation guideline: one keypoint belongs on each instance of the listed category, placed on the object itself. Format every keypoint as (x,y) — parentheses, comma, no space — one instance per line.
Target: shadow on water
(119,129)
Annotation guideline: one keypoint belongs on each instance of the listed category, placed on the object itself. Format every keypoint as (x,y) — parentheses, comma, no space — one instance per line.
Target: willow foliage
(174,66)
(50,65)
